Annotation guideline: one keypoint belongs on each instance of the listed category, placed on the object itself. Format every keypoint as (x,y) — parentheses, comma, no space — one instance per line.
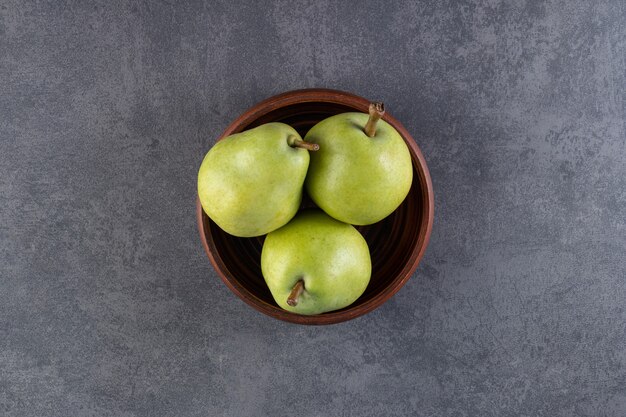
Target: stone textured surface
(109,307)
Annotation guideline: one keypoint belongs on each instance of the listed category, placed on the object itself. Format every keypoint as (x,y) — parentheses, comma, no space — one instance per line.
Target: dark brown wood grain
(397,243)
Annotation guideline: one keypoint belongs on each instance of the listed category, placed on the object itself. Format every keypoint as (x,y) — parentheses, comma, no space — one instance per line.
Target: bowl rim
(325,95)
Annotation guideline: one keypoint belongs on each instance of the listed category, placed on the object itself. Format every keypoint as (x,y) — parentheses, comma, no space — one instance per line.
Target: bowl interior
(392,241)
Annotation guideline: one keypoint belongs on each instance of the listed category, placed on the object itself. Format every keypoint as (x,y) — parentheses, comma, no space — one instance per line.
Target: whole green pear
(250,183)
(315,264)
(363,170)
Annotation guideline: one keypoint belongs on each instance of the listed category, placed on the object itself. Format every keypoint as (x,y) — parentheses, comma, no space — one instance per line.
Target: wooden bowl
(396,243)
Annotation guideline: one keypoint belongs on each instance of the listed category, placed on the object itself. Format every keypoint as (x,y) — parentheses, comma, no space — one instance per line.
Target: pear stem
(376,110)
(294,142)
(297,290)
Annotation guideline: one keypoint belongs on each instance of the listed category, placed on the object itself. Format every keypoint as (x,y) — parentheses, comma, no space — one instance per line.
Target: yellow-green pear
(315,264)
(250,183)
(363,170)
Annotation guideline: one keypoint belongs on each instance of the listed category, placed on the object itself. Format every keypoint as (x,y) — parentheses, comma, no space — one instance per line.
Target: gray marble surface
(109,306)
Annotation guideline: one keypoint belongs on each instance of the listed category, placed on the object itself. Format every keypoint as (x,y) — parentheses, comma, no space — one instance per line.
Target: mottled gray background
(109,306)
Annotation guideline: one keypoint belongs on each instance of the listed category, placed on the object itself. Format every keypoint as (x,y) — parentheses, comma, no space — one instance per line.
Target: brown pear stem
(376,110)
(292,300)
(294,142)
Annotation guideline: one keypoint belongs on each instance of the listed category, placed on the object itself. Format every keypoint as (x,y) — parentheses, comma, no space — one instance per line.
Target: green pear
(315,264)
(363,170)
(250,183)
